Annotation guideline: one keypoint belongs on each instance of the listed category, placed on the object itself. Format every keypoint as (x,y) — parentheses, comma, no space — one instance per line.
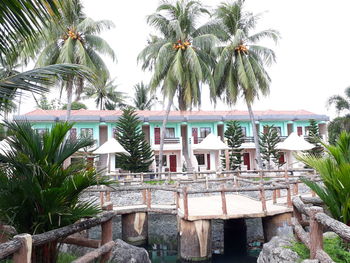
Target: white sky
(313,55)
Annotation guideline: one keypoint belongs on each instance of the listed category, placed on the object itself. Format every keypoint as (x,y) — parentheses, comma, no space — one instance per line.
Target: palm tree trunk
(162,133)
(69,95)
(182,104)
(255,135)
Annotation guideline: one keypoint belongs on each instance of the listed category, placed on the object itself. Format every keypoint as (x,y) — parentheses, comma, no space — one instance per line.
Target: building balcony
(174,140)
(248,139)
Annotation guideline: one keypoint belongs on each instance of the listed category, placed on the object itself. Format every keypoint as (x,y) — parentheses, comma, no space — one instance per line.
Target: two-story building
(184,131)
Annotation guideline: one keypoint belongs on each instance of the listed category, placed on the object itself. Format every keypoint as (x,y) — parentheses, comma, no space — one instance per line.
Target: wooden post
(223,201)
(206,181)
(235,182)
(177,200)
(23,255)
(149,198)
(135,228)
(107,232)
(289,195)
(142,179)
(316,232)
(297,215)
(274,196)
(101,199)
(108,196)
(278,193)
(296,189)
(185,203)
(144,197)
(262,193)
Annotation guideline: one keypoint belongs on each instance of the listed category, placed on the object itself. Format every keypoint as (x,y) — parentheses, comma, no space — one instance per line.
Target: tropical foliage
(130,135)
(180,56)
(234,137)
(340,103)
(334,169)
(142,99)
(76,41)
(76,105)
(336,126)
(314,137)
(268,146)
(106,95)
(37,192)
(240,70)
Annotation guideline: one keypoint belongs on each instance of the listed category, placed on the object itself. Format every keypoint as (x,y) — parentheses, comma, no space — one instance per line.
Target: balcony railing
(174,140)
(251,138)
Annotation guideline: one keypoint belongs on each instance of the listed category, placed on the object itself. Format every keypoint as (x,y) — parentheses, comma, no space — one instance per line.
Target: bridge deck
(238,206)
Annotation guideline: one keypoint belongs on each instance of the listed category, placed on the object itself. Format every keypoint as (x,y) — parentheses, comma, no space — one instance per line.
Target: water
(170,256)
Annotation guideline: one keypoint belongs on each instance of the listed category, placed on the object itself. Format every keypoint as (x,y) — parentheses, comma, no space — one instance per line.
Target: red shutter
(208,161)
(246,160)
(156,135)
(195,135)
(172,163)
(300,131)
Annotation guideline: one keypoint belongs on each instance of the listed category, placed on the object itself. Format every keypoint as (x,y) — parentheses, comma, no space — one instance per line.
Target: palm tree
(76,41)
(106,95)
(341,103)
(180,57)
(240,70)
(22,22)
(142,99)
(37,192)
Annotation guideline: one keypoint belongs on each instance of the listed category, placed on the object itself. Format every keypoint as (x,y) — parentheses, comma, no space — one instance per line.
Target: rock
(330,235)
(275,251)
(125,253)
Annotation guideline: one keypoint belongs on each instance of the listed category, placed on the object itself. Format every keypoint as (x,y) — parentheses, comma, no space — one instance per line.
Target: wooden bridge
(195,207)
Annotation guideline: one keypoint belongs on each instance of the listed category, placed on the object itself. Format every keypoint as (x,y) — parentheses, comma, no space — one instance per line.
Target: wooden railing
(317,220)
(21,245)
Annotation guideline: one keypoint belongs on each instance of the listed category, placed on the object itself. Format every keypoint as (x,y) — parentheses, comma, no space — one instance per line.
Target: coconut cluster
(181,45)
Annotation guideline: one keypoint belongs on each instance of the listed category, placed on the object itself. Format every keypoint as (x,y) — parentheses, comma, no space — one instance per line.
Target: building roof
(179,116)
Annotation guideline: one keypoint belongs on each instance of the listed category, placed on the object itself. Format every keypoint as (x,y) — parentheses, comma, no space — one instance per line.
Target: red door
(195,135)
(208,161)
(156,135)
(300,130)
(246,160)
(281,159)
(172,163)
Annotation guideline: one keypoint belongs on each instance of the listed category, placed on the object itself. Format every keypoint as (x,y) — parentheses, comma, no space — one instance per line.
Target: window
(244,131)
(204,131)
(170,133)
(278,130)
(41,131)
(87,132)
(157,160)
(200,159)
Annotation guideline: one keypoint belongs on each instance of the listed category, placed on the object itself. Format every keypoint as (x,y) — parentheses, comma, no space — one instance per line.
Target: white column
(212,161)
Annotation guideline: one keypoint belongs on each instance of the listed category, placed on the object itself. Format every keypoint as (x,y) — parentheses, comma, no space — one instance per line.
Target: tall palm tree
(76,41)
(22,22)
(341,103)
(240,70)
(180,57)
(142,99)
(106,95)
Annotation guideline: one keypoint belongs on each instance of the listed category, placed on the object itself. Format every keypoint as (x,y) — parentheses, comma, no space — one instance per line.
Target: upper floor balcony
(167,140)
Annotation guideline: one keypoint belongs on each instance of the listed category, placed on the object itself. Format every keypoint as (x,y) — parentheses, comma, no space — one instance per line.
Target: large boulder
(277,251)
(125,253)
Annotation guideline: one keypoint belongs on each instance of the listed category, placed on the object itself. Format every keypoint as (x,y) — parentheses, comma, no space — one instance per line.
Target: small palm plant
(334,169)
(37,192)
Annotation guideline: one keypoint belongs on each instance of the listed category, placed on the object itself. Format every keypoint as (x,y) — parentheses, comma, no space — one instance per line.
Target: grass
(334,247)
(159,182)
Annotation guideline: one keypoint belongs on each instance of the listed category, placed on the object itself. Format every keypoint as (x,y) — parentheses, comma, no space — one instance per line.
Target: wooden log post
(223,201)
(278,193)
(108,196)
(149,198)
(289,194)
(107,232)
(23,255)
(296,188)
(101,199)
(141,178)
(185,200)
(195,240)
(135,228)
(262,193)
(316,232)
(144,197)
(274,196)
